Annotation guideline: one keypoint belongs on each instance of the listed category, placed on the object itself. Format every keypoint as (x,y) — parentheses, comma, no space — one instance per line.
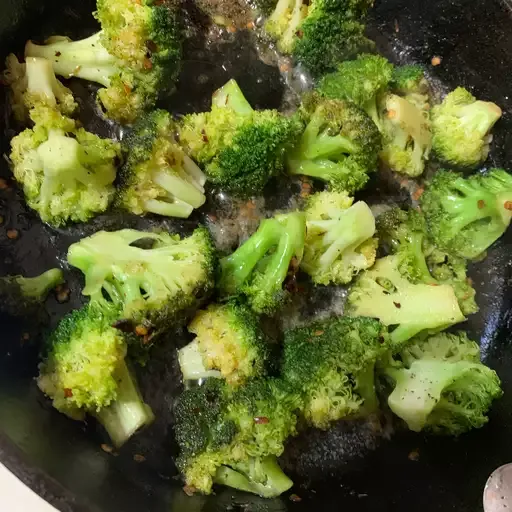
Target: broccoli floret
(158,176)
(410,82)
(67,173)
(405,232)
(239,148)
(135,56)
(233,437)
(406,136)
(228,340)
(85,372)
(461,128)
(330,363)
(153,278)
(34,83)
(389,292)
(440,385)
(361,81)
(339,145)
(258,268)
(22,296)
(465,216)
(319,34)
(339,241)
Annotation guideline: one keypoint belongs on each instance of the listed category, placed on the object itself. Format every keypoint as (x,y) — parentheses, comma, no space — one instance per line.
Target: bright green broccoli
(22,296)
(239,148)
(319,34)
(340,144)
(410,82)
(390,292)
(461,128)
(330,364)
(233,437)
(440,385)
(85,372)
(158,176)
(34,83)
(339,241)
(152,278)
(362,81)
(67,173)
(465,216)
(229,341)
(135,56)
(259,268)
(405,232)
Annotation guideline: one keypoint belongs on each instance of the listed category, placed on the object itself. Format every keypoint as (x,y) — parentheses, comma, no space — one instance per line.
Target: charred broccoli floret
(465,216)
(239,148)
(85,372)
(339,241)
(340,144)
(461,127)
(258,268)
(158,176)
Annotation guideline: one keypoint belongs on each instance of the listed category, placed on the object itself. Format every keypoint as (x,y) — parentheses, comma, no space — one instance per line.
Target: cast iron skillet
(354,466)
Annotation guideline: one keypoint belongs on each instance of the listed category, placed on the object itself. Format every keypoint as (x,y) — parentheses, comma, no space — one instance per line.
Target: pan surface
(356,466)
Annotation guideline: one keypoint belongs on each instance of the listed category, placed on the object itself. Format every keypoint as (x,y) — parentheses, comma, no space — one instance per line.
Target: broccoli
(406,232)
(239,148)
(410,82)
(440,385)
(134,57)
(330,363)
(465,216)
(406,135)
(22,296)
(228,340)
(153,278)
(362,81)
(158,176)
(232,437)
(67,173)
(461,129)
(259,268)
(389,292)
(85,372)
(340,144)
(34,83)
(321,33)
(339,241)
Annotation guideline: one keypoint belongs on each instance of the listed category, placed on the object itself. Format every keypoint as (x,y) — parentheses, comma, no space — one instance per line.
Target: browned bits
(58,54)
(212,217)
(148,64)
(123,325)
(436,60)
(418,193)
(107,448)
(127,88)
(508,205)
(151,46)
(141,330)
(284,67)
(3,184)
(295,498)
(204,136)
(25,337)
(318,333)
(414,455)
(13,234)
(68,393)
(250,25)
(397,305)
(62,293)
(139,458)
(397,26)
(481,203)
(231,29)
(299,34)
(189,490)
(261,420)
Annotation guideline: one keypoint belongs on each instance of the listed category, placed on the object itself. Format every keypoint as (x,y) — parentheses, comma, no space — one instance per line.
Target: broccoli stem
(192,364)
(178,187)
(277,22)
(38,287)
(194,171)
(41,81)
(177,208)
(262,477)
(329,146)
(286,43)
(319,168)
(86,59)
(128,413)
(237,267)
(231,96)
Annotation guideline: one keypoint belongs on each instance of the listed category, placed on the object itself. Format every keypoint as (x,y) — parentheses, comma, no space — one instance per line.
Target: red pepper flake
(418,193)
(139,458)
(285,67)
(107,448)
(295,498)
(12,234)
(436,60)
(146,340)
(141,330)
(481,204)
(397,305)
(127,88)
(189,490)
(261,420)
(318,333)
(231,29)
(58,54)
(204,136)
(508,205)
(212,217)
(299,34)
(251,25)
(68,393)
(148,64)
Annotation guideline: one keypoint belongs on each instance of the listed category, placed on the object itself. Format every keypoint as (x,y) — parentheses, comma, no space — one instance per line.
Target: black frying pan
(355,466)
